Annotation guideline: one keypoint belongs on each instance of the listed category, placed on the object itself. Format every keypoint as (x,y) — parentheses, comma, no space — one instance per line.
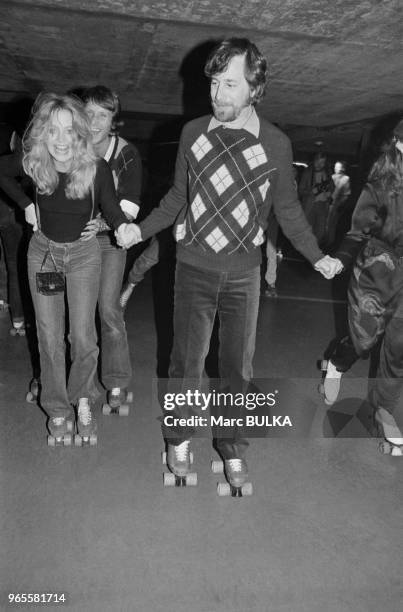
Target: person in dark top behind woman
(375,297)
(71,187)
(103,109)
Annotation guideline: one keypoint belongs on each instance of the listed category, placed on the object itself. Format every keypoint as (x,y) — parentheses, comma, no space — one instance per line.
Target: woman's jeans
(116,368)
(199,295)
(80,261)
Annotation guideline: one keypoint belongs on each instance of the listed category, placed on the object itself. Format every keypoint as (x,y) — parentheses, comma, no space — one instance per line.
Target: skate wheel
(385,447)
(78,441)
(223,489)
(30,398)
(129,398)
(51,441)
(93,439)
(13,332)
(124,410)
(324,364)
(106,409)
(247,489)
(191,479)
(217,467)
(321,388)
(169,479)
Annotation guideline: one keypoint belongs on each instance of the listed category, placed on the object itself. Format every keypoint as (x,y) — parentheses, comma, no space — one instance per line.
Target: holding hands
(127,235)
(329,266)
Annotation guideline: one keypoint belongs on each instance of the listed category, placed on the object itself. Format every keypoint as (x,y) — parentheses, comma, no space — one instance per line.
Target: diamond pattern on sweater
(228,172)
(198,207)
(222,179)
(241,213)
(201,147)
(255,156)
(216,240)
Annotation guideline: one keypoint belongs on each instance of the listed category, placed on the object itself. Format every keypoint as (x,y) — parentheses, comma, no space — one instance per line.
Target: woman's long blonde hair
(37,161)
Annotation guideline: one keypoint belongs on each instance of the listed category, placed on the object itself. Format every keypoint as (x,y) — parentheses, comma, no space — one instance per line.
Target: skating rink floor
(322,532)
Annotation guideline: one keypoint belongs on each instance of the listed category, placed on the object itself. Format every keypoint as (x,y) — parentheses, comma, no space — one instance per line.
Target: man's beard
(226,113)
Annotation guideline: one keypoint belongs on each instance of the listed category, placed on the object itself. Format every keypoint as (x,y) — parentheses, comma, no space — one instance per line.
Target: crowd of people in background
(79,184)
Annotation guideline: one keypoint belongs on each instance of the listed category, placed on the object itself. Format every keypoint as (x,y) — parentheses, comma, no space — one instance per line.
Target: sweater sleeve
(10,170)
(174,201)
(129,180)
(366,221)
(105,198)
(288,210)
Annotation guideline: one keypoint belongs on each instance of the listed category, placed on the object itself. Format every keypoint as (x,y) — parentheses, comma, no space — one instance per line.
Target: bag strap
(92,200)
(49,252)
(38,217)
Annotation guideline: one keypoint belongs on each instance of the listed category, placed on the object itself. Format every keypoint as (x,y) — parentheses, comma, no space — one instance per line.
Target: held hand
(128,234)
(30,217)
(329,266)
(90,230)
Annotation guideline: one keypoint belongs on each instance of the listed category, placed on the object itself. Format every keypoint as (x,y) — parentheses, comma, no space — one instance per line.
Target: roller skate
(118,400)
(178,460)
(388,429)
(60,431)
(86,424)
(330,385)
(32,395)
(125,294)
(18,328)
(236,473)
(270,291)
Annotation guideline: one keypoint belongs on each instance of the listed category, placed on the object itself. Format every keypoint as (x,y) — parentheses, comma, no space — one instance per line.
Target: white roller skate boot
(330,386)
(393,442)
(236,474)
(179,459)
(86,424)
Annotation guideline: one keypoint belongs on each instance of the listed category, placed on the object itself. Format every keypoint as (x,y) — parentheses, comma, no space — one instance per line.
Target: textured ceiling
(335,65)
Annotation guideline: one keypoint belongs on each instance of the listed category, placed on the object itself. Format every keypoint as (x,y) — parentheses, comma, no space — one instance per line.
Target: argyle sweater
(226,181)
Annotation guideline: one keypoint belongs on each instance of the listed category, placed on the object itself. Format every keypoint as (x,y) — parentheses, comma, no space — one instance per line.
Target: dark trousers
(12,239)
(376,314)
(200,294)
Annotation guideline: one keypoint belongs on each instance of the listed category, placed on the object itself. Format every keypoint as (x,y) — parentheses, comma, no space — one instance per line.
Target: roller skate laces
(85,422)
(178,458)
(125,294)
(236,471)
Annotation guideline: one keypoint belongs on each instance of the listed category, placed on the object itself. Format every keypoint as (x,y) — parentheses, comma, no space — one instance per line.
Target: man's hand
(127,235)
(329,266)
(30,216)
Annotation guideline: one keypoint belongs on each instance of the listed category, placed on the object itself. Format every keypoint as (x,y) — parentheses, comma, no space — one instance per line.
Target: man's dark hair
(255,63)
(108,99)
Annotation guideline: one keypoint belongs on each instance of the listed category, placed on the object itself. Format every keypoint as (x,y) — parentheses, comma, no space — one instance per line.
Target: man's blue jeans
(81,263)
(199,295)
(116,368)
